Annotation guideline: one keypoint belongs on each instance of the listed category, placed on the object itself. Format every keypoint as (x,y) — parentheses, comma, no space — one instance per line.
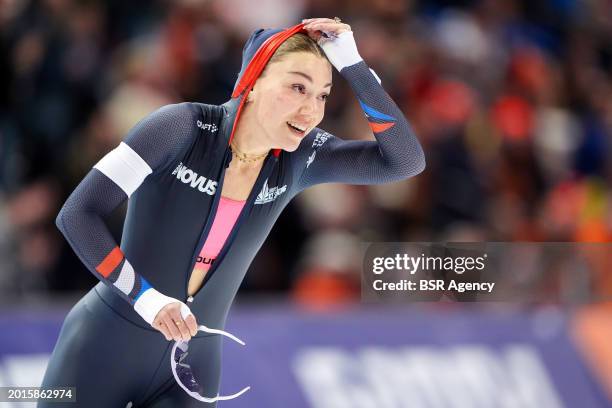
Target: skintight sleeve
(396,154)
(149,146)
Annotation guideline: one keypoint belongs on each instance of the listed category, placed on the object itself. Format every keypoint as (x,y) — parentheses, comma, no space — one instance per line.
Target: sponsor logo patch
(267,194)
(207,126)
(311,159)
(193,180)
(320,138)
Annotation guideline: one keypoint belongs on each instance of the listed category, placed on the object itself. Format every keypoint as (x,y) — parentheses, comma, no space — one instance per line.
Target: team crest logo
(267,194)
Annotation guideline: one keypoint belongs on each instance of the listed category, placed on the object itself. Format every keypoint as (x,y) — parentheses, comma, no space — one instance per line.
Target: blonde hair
(299,42)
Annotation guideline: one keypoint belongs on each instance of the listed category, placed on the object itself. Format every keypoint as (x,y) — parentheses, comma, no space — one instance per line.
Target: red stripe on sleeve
(112,260)
(380,127)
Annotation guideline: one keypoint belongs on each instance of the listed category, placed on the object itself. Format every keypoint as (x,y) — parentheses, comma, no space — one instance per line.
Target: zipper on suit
(208,224)
(263,176)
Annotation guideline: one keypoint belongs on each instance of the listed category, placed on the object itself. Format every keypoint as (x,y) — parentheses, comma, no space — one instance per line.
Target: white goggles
(182,371)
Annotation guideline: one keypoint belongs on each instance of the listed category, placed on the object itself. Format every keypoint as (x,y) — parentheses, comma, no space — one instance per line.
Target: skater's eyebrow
(308,77)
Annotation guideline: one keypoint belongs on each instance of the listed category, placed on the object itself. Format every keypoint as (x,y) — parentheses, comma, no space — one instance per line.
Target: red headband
(261,58)
(257,65)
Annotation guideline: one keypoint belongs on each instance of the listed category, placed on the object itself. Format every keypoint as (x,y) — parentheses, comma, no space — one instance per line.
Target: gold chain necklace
(246,158)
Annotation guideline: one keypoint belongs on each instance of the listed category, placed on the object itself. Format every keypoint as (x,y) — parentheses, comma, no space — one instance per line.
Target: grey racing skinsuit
(176,159)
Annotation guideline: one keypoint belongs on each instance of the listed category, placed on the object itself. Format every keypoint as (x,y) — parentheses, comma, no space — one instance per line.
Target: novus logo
(207,126)
(191,178)
(267,194)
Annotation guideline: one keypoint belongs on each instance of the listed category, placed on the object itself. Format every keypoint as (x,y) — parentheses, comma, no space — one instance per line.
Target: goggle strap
(221,332)
(183,347)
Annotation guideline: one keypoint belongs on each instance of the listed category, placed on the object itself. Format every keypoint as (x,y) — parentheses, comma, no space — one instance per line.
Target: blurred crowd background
(512,101)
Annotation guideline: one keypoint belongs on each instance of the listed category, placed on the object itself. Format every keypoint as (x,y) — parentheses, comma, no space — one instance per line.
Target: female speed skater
(205,185)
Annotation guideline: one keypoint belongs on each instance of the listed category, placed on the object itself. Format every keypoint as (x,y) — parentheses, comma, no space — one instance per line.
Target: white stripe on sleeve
(124,167)
(125,281)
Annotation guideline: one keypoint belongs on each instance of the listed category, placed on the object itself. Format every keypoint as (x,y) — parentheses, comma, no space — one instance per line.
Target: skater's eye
(300,88)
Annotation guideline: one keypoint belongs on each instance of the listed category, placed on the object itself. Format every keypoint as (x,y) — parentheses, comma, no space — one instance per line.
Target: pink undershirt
(227,214)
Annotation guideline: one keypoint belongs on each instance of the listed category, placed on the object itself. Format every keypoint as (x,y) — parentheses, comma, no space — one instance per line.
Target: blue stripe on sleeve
(371,112)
